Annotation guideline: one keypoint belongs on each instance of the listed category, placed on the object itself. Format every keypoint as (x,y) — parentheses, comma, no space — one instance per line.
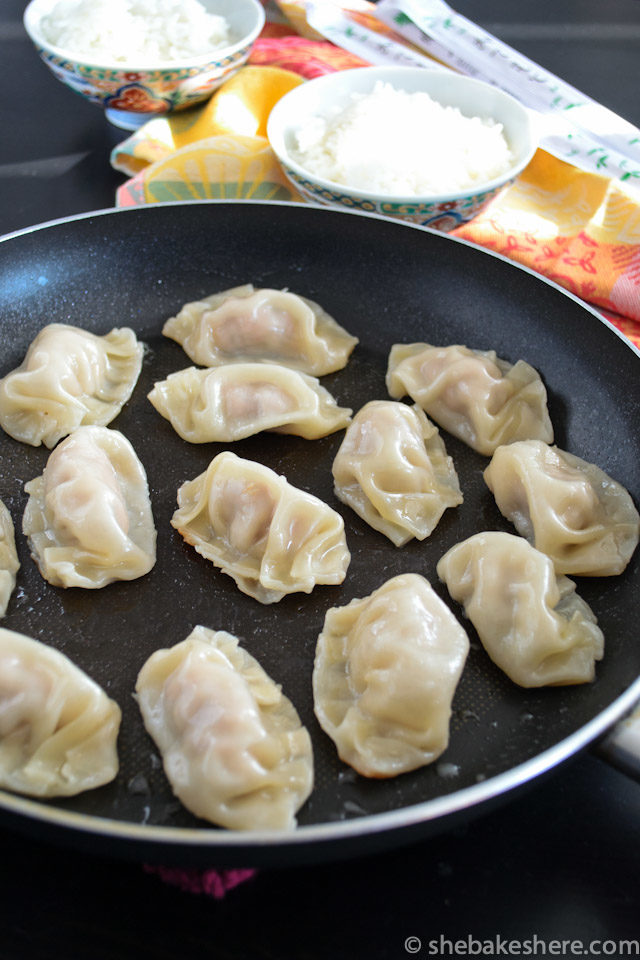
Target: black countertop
(558,863)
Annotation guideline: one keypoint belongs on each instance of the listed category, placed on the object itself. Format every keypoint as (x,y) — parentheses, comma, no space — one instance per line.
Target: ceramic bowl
(131,93)
(442,211)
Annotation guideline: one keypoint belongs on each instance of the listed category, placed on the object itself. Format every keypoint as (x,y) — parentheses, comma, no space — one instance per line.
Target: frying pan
(385,282)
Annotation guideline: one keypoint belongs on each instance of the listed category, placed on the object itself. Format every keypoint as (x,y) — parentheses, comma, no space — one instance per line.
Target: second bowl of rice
(143,58)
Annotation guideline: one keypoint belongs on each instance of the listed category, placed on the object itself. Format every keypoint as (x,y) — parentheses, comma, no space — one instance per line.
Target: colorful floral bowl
(132,94)
(473,98)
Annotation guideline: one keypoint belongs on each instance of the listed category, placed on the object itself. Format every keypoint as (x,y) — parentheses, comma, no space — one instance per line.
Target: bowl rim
(31,23)
(276,130)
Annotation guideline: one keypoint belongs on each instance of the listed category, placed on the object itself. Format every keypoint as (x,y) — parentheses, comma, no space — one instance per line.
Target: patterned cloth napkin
(579,229)
(210,882)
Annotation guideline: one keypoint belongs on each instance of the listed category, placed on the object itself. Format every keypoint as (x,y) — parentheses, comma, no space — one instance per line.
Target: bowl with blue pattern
(446,209)
(132,92)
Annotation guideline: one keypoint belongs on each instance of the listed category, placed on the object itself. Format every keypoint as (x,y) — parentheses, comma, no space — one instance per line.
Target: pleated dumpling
(567,508)
(473,394)
(232,744)
(272,538)
(531,622)
(9,564)
(385,672)
(69,378)
(88,518)
(246,323)
(393,470)
(58,728)
(240,399)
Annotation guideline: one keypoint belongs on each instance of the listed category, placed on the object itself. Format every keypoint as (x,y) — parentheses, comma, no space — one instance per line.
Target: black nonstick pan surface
(386,282)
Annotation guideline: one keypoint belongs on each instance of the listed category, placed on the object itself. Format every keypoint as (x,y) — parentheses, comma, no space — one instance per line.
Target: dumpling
(248,324)
(9,564)
(88,518)
(531,622)
(385,672)
(393,470)
(473,394)
(232,744)
(567,508)
(69,378)
(272,538)
(240,399)
(58,728)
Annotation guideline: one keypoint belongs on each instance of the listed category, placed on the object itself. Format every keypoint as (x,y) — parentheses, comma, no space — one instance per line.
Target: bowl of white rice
(143,58)
(428,146)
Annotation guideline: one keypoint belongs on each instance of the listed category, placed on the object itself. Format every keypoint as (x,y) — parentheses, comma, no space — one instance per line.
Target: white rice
(140,32)
(402,144)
